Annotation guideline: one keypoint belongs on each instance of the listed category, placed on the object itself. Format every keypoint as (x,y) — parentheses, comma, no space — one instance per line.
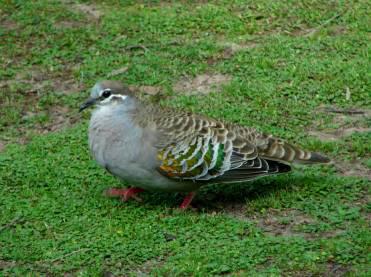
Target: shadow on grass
(221,197)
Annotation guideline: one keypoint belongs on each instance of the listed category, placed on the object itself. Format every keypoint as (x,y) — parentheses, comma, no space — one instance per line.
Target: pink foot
(187,200)
(124,194)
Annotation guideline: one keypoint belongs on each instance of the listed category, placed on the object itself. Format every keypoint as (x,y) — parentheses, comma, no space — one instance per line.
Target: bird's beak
(87,104)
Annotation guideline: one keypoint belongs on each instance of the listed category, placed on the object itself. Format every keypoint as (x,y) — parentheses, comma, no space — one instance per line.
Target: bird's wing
(197,148)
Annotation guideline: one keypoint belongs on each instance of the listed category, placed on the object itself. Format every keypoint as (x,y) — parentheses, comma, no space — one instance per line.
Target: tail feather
(314,158)
(282,151)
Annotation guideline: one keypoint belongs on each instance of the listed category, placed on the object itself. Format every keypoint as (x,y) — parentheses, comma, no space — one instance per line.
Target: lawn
(297,69)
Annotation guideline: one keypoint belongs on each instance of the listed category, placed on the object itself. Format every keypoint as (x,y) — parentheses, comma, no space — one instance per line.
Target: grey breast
(115,142)
(125,149)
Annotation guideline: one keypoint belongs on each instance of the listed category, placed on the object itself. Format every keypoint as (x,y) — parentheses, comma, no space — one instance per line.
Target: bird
(158,148)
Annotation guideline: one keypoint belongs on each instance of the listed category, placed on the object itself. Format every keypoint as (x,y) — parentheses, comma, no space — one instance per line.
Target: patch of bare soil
(284,223)
(2,145)
(280,222)
(66,24)
(353,168)
(147,267)
(337,30)
(34,267)
(229,50)
(346,111)
(141,270)
(237,210)
(68,86)
(149,90)
(299,32)
(333,269)
(235,47)
(40,82)
(350,121)
(202,84)
(8,24)
(339,133)
(118,71)
(363,203)
(60,118)
(91,11)
(275,222)
(7,264)
(307,32)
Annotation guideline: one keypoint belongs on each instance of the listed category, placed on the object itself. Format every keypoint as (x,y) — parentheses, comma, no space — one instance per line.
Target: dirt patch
(305,31)
(60,117)
(68,86)
(347,117)
(235,47)
(2,145)
(350,121)
(337,30)
(363,203)
(230,49)
(118,71)
(202,84)
(34,85)
(279,222)
(91,11)
(9,24)
(237,210)
(346,111)
(30,75)
(7,264)
(335,269)
(353,168)
(149,90)
(149,265)
(347,121)
(40,80)
(338,134)
(65,24)
(284,223)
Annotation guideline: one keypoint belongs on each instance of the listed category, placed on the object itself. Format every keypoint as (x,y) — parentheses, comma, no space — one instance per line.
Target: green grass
(314,221)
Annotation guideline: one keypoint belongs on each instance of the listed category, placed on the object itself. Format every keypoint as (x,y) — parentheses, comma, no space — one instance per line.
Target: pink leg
(124,194)
(187,200)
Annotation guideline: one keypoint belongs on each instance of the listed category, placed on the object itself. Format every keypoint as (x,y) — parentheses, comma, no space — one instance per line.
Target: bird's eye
(106,93)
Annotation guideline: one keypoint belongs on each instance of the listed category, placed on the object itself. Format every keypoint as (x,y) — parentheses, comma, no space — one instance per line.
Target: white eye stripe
(108,99)
(123,97)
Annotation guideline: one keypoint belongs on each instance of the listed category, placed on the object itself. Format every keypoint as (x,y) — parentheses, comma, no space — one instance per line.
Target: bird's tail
(282,151)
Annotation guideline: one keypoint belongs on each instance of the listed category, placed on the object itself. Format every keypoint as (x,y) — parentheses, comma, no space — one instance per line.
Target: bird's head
(107,92)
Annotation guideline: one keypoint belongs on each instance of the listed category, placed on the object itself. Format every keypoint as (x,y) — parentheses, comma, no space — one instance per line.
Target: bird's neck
(146,113)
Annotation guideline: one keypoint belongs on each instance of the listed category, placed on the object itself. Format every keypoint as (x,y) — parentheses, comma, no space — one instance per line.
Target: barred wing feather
(201,149)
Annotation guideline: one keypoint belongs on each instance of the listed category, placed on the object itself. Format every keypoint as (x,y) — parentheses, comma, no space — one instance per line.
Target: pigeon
(159,148)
